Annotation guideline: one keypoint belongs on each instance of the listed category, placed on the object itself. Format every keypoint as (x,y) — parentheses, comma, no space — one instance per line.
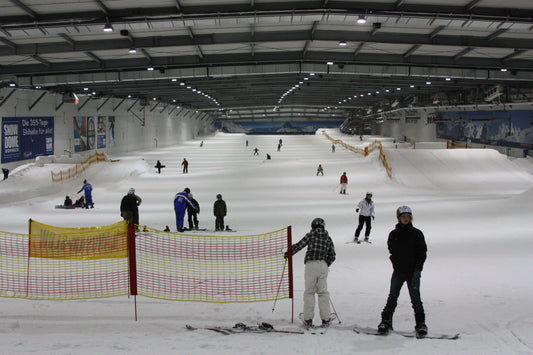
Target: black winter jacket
(407,248)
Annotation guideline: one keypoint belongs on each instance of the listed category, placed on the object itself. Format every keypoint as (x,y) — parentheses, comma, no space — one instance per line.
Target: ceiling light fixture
(361,20)
(132,50)
(108,27)
(343,43)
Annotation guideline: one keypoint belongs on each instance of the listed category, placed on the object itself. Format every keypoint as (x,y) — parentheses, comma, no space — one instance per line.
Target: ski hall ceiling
(271,59)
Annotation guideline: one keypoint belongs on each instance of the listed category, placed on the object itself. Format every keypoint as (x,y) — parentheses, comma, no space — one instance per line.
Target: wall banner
(26,138)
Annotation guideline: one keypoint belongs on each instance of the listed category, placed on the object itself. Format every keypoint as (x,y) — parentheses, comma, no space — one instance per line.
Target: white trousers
(316,277)
(343,188)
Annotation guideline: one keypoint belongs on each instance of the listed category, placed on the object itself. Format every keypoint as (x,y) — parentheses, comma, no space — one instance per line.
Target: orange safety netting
(455,145)
(54,263)
(64,175)
(376,145)
(212,268)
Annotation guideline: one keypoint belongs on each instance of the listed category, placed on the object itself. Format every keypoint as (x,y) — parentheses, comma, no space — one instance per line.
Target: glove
(286,255)
(357,210)
(372,217)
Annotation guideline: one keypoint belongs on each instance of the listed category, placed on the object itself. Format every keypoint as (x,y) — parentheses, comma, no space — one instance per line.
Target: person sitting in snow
(68,201)
(80,202)
(408,250)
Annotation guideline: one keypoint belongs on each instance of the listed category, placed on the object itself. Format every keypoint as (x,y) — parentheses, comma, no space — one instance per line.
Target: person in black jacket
(219,211)
(129,207)
(192,212)
(408,249)
(319,256)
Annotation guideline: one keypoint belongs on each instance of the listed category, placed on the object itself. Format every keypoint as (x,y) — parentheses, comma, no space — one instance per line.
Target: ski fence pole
(279,285)
(334,310)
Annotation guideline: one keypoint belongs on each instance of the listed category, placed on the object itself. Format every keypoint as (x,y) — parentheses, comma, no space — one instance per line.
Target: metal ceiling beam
(26,9)
(490,41)
(516,52)
(42,60)
(102,7)
(471,5)
(68,39)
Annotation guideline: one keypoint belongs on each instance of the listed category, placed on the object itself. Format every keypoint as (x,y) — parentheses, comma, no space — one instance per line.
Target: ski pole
(334,310)
(279,286)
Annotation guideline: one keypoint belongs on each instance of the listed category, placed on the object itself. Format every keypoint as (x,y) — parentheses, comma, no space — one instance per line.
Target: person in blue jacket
(181,200)
(88,189)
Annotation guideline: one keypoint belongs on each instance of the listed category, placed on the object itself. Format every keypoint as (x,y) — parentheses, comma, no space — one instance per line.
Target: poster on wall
(26,137)
(101,132)
(80,134)
(91,133)
(111,120)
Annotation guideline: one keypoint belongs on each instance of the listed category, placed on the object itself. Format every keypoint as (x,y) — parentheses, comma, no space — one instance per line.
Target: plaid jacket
(319,246)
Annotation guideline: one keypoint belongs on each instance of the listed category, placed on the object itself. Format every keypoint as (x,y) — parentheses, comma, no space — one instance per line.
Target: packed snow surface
(474,207)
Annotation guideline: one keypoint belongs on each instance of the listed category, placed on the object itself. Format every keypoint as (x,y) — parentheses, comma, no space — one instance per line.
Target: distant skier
(181,201)
(159,166)
(256,151)
(201,144)
(280,143)
(319,256)
(268,156)
(320,170)
(129,207)
(247,142)
(333,148)
(365,207)
(192,213)
(344,183)
(6,173)
(219,211)
(185,165)
(88,190)
(279,146)
(408,249)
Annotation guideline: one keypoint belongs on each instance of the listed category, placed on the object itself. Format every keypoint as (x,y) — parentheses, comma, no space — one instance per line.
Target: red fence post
(289,254)
(132,263)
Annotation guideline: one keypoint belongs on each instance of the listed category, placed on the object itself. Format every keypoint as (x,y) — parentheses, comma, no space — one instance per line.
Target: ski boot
(325,323)
(421,330)
(308,323)
(385,327)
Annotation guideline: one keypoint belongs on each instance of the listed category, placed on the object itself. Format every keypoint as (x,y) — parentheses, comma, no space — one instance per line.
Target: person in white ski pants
(319,256)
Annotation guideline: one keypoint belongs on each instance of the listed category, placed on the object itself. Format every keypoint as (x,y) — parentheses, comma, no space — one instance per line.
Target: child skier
(366,212)
(319,256)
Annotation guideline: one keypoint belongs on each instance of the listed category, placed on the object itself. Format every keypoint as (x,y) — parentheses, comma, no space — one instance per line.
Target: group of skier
(407,248)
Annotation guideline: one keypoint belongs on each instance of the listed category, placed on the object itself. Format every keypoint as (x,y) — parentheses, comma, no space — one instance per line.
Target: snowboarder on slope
(408,249)
(159,166)
(129,207)
(88,189)
(219,211)
(365,207)
(344,183)
(319,256)
(181,200)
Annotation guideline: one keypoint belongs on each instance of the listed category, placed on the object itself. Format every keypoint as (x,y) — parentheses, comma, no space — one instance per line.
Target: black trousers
(364,220)
(219,222)
(193,220)
(413,285)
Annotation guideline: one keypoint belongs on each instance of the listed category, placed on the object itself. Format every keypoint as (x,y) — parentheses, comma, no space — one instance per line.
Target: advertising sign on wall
(26,137)
(80,133)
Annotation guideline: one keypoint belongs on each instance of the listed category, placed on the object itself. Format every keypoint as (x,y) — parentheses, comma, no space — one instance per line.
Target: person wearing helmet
(219,211)
(365,208)
(344,183)
(129,207)
(68,202)
(407,248)
(319,256)
(181,200)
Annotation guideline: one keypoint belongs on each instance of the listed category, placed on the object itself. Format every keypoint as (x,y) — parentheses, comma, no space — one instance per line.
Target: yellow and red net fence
(455,145)
(53,263)
(376,145)
(80,168)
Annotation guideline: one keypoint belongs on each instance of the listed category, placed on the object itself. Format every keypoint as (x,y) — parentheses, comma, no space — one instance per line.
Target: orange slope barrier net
(80,168)
(54,263)
(376,145)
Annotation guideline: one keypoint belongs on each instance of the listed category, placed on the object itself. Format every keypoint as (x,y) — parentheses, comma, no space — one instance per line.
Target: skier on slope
(408,249)
(181,200)
(87,188)
(365,207)
(129,207)
(219,211)
(344,183)
(192,213)
(319,256)
(185,165)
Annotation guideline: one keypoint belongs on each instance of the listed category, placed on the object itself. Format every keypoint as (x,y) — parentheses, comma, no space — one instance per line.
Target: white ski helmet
(318,223)
(402,210)
(131,191)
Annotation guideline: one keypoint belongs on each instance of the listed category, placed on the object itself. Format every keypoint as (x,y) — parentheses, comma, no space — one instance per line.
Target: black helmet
(318,223)
(187,190)
(219,196)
